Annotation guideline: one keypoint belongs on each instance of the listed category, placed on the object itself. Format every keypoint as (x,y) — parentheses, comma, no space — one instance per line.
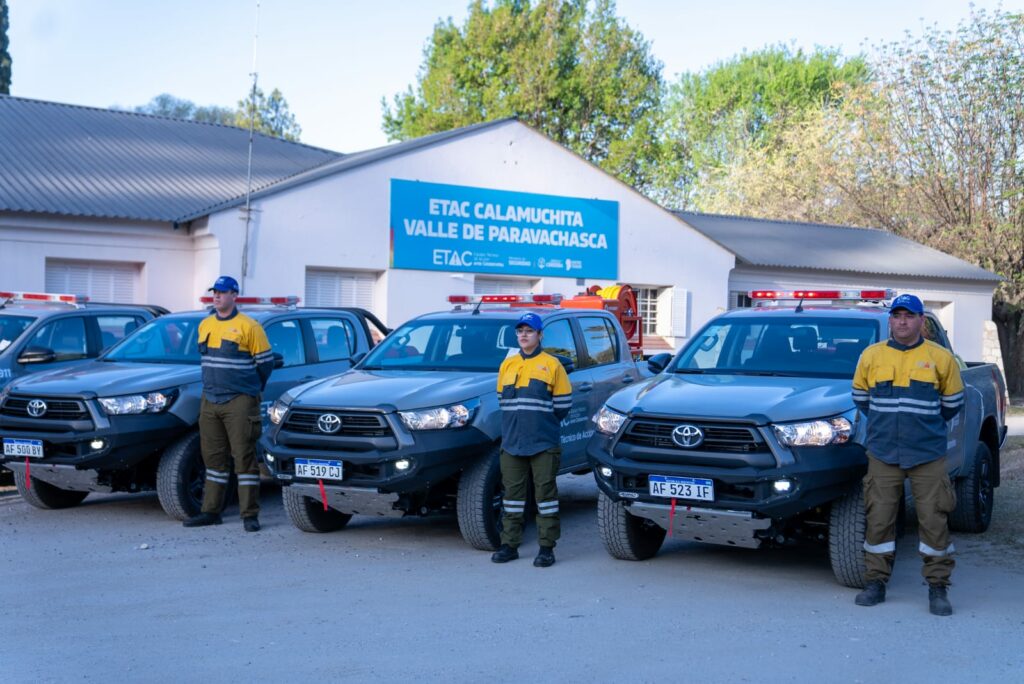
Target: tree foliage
(5,54)
(272,114)
(575,72)
(743,106)
(178,108)
(932,150)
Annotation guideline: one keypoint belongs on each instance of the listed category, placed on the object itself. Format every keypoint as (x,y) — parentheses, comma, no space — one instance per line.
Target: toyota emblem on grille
(36,408)
(688,436)
(329,423)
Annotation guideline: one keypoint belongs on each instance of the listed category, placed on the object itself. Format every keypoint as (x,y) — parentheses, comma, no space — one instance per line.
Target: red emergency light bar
(43,297)
(277,301)
(858,295)
(505,299)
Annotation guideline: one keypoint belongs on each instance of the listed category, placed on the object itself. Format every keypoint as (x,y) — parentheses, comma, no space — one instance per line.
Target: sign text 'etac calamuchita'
(439,227)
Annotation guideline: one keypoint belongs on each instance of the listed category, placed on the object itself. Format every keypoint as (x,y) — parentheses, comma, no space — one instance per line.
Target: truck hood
(746,397)
(395,390)
(106,379)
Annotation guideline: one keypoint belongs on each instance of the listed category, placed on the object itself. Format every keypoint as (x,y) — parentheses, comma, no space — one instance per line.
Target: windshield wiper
(695,371)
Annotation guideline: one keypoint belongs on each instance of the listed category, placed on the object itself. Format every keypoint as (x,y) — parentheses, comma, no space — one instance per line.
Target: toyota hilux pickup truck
(128,421)
(749,437)
(415,427)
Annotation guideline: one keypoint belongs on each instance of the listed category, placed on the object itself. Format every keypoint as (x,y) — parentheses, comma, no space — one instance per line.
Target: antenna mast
(247,212)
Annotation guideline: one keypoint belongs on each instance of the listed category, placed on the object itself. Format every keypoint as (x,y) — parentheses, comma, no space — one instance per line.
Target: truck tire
(478,502)
(309,515)
(846,525)
(45,495)
(180,477)
(626,536)
(975,495)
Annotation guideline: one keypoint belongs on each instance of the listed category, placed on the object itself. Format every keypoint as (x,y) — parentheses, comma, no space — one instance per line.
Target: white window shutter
(100,281)
(329,287)
(680,312)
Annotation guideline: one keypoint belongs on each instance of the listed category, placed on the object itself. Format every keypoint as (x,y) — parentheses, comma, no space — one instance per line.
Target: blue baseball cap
(908,302)
(224,284)
(532,320)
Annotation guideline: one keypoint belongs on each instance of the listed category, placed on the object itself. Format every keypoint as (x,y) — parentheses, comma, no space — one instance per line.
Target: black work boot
(505,554)
(203,519)
(545,557)
(873,594)
(251,524)
(938,602)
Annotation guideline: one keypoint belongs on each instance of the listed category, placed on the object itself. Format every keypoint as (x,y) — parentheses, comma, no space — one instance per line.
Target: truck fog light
(403,465)
(270,456)
(97,444)
(782,486)
(605,471)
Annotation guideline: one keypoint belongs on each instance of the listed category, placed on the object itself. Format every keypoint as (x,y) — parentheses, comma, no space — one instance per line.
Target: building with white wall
(495,207)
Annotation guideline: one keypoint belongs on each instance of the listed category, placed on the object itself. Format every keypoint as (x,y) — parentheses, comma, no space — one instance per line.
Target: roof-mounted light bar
(290,300)
(505,299)
(43,297)
(847,295)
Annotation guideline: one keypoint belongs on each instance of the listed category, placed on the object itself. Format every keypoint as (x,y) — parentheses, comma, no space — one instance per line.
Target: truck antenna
(247,212)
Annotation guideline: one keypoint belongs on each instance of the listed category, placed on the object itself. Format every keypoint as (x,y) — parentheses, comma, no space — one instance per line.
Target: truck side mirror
(37,355)
(566,362)
(278,360)
(357,357)
(658,362)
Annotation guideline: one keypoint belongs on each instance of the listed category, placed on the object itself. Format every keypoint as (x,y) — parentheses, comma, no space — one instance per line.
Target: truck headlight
(814,433)
(608,421)
(277,410)
(441,417)
(133,404)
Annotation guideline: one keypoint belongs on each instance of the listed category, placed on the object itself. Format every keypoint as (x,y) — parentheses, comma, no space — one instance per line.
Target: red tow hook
(323,493)
(671,515)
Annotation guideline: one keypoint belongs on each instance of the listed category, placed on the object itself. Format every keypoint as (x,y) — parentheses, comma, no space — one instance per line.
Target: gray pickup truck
(415,427)
(749,437)
(127,421)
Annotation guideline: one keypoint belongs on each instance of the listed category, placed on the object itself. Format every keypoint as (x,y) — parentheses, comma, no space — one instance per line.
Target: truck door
(560,340)
(955,428)
(285,337)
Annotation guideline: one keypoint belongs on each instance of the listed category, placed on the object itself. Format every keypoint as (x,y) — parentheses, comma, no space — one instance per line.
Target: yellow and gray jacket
(535,395)
(237,358)
(907,393)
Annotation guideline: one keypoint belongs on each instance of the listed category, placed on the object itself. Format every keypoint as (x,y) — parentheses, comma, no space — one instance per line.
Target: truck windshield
(11,328)
(464,344)
(164,340)
(797,346)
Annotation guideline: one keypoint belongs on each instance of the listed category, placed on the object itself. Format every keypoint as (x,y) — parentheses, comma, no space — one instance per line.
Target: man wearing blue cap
(236,362)
(908,387)
(535,395)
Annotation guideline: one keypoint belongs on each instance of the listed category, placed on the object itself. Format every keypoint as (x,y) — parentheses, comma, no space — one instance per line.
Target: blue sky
(334,60)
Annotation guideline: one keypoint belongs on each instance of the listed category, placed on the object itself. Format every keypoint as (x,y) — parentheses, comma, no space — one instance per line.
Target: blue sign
(438,227)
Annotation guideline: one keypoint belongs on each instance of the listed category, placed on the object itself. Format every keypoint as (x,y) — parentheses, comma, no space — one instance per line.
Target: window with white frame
(739,299)
(332,287)
(647,301)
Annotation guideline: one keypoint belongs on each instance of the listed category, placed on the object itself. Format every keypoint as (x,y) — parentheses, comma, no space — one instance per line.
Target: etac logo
(329,423)
(688,436)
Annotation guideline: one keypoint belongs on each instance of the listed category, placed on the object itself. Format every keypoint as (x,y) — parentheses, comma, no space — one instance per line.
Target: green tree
(271,114)
(178,108)
(569,68)
(741,106)
(5,54)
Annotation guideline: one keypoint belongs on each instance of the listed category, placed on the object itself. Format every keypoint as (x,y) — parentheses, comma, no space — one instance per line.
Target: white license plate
(31,448)
(317,469)
(669,487)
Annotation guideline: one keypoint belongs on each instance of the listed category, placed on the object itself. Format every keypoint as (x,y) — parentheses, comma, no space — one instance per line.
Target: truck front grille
(728,438)
(56,409)
(352,424)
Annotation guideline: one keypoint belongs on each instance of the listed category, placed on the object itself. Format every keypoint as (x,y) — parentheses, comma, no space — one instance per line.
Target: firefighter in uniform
(535,395)
(236,362)
(908,387)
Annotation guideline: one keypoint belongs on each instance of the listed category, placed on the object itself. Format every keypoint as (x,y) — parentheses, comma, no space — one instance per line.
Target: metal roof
(822,247)
(83,161)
